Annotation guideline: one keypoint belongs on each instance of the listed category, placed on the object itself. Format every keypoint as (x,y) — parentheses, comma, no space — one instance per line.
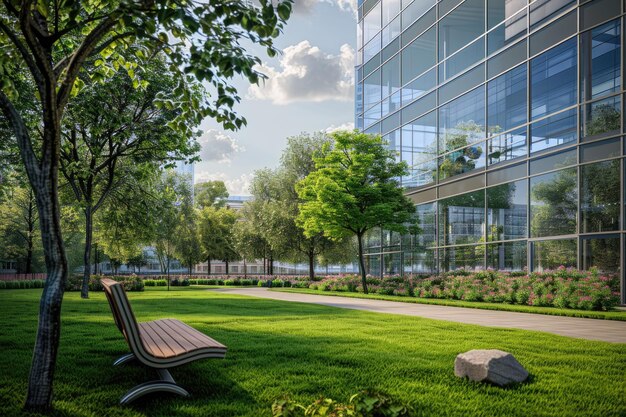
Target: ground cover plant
(303,351)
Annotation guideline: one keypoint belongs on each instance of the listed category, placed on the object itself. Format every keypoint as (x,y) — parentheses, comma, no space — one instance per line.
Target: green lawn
(303,350)
(553,311)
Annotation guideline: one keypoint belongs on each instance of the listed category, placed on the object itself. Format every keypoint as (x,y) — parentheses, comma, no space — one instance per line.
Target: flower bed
(563,288)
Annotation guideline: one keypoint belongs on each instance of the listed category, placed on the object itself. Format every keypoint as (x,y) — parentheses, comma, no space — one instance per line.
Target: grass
(553,311)
(302,350)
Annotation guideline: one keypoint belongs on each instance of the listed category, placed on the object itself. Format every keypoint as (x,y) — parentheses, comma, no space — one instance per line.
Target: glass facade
(511,124)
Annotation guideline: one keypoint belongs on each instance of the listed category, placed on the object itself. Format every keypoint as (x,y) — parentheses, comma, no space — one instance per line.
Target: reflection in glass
(507,206)
(553,203)
(462,121)
(373,241)
(420,174)
(601,117)
(419,139)
(506,147)
(419,55)
(392,263)
(553,131)
(543,10)
(372,23)
(599,196)
(419,86)
(372,48)
(372,115)
(600,50)
(464,24)
(601,252)
(553,79)
(507,256)
(391,31)
(506,100)
(550,254)
(372,90)
(507,33)
(462,161)
(391,76)
(415,10)
(462,218)
(420,262)
(426,218)
(462,60)
(372,264)
(500,10)
(466,257)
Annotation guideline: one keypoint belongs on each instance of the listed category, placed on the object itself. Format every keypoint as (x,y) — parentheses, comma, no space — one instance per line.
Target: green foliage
(22,284)
(211,193)
(217,233)
(354,189)
(367,403)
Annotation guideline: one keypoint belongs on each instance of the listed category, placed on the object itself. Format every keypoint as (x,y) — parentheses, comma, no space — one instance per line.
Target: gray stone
(491,365)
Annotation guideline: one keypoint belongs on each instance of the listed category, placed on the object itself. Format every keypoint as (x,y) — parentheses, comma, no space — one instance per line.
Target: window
(551,254)
(420,261)
(462,160)
(507,33)
(600,50)
(462,60)
(600,150)
(601,252)
(373,264)
(372,90)
(599,196)
(420,174)
(507,206)
(391,8)
(461,26)
(543,10)
(553,131)
(506,100)
(507,256)
(372,23)
(419,55)
(500,10)
(553,79)
(602,117)
(391,76)
(506,147)
(462,121)
(553,203)
(419,86)
(419,145)
(392,262)
(462,218)
(426,217)
(467,257)
(415,10)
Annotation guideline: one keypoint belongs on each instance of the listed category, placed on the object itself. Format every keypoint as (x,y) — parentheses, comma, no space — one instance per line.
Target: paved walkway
(592,329)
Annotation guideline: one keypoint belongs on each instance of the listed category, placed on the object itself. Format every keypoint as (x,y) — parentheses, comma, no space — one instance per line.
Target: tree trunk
(311,265)
(84,289)
(362,262)
(208,262)
(271,265)
(40,380)
(245,268)
(226,267)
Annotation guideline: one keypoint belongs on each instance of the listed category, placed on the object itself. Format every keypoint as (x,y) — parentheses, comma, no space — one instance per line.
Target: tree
(354,189)
(113,131)
(50,42)
(211,193)
(186,241)
(249,236)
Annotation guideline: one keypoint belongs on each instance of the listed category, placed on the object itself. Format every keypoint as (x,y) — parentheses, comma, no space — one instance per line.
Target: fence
(21,277)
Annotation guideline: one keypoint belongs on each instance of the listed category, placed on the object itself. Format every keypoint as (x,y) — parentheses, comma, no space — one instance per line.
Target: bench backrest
(123,314)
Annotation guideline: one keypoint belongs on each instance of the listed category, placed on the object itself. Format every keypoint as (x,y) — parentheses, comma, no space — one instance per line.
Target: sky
(310,87)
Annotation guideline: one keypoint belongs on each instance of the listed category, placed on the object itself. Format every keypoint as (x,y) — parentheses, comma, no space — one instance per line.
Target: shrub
(278,283)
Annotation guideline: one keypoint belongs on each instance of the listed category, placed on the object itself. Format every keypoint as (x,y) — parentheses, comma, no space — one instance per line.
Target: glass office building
(509,115)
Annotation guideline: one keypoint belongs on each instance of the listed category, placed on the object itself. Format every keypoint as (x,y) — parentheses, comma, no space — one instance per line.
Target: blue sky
(310,88)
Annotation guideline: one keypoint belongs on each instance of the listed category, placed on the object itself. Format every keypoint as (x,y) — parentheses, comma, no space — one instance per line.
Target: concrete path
(592,329)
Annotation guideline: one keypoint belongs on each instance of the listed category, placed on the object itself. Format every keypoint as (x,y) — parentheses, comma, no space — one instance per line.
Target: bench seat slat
(169,347)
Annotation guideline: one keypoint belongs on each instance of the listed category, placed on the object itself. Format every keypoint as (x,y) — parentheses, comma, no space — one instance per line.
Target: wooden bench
(158,344)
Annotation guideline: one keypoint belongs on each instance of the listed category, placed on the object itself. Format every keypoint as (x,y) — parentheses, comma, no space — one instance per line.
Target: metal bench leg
(123,359)
(165,384)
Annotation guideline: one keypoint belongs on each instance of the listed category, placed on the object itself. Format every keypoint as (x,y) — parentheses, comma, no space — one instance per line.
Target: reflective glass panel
(391,31)
(462,121)
(543,10)
(551,254)
(500,10)
(392,263)
(372,23)
(426,218)
(600,61)
(507,206)
(372,89)
(373,264)
(391,76)
(419,86)
(553,203)
(391,8)
(553,131)
(507,256)
(599,196)
(418,56)
(462,218)
(462,257)
(553,79)
(506,100)
(462,60)
(507,33)
(462,160)
(415,10)
(420,262)
(601,252)
(420,174)
(602,117)
(461,26)
(507,146)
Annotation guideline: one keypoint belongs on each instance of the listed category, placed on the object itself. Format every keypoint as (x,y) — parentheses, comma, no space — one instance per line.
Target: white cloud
(305,6)
(218,147)
(343,126)
(308,74)
(235,186)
